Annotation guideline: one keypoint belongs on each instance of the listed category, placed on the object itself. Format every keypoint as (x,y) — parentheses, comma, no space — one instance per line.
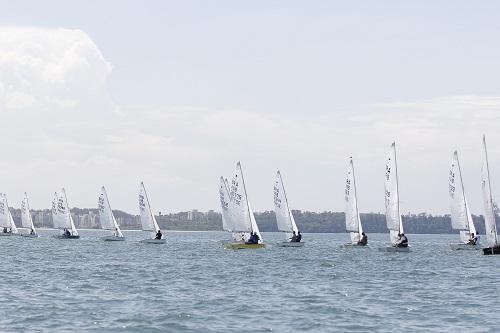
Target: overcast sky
(175,93)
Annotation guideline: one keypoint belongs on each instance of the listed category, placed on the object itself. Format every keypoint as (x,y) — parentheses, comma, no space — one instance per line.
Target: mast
(463,192)
(246,196)
(490,198)
(397,184)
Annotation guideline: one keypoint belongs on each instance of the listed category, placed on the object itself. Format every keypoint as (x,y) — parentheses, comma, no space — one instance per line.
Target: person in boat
(67,233)
(158,234)
(4,230)
(254,239)
(299,236)
(473,240)
(402,241)
(32,232)
(115,232)
(364,239)
(294,237)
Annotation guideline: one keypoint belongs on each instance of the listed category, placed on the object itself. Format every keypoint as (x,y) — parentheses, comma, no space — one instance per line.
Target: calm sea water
(192,284)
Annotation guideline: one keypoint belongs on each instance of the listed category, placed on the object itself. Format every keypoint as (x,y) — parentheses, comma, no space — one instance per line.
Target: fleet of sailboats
(284,217)
(461,217)
(107,218)
(148,220)
(352,220)
(61,216)
(239,220)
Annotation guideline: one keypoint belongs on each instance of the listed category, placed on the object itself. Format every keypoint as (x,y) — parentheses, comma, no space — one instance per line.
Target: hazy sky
(174,93)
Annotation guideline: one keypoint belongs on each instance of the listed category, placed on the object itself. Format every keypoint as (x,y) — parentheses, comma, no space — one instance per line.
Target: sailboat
(148,220)
(61,216)
(392,209)
(461,217)
(352,219)
(107,219)
(489,216)
(240,215)
(6,220)
(26,219)
(284,217)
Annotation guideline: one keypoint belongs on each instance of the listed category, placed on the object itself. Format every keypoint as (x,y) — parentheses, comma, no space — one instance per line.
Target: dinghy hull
(354,245)
(113,239)
(240,246)
(29,235)
(154,241)
(6,234)
(290,244)
(67,237)
(491,250)
(462,246)
(395,249)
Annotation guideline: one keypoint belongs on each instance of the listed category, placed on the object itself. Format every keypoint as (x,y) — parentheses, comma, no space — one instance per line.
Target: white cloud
(61,128)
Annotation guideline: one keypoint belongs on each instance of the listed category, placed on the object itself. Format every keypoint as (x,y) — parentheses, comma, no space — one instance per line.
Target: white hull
(30,235)
(394,249)
(113,238)
(462,246)
(354,245)
(153,241)
(290,244)
(5,233)
(66,237)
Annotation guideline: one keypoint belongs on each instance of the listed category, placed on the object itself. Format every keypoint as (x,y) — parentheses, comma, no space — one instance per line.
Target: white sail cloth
(284,217)
(352,219)
(26,219)
(106,216)
(148,220)
(489,214)
(61,214)
(392,212)
(6,220)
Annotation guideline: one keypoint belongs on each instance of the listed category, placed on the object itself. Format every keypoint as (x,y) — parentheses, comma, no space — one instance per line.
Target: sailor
(32,232)
(364,239)
(158,234)
(4,230)
(299,237)
(402,241)
(473,240)
(256,238)
(115,232)
(294,237)
(67,233)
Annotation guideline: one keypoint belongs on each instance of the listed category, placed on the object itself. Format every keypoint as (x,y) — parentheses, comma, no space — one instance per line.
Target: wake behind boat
(461,217)
(284,217)
(107,218)
(148,219)
(352,219)
(237,214)
(489,216)
(399,242)
(61,216)
(26,219)
(6,221)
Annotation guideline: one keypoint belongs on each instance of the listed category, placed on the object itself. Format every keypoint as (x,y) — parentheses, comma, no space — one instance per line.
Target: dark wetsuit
(299,238)
(404,242)
(158,235)
(363,241)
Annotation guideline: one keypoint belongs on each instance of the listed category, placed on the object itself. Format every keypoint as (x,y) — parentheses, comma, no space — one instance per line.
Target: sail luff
(360,228)
(397,188)
(246,196)
(467,222)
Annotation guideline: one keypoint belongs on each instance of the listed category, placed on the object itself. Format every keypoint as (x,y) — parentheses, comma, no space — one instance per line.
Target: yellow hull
(239,246)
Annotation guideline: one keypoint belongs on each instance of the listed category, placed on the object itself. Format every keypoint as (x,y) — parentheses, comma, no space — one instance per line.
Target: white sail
(253,223)
(26,219)
(392,212)
(284,216)
(106,216)
(489,214)
(148,220)
(61,214)
(6,220)
(352,220)
(224,202)
(238,204)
